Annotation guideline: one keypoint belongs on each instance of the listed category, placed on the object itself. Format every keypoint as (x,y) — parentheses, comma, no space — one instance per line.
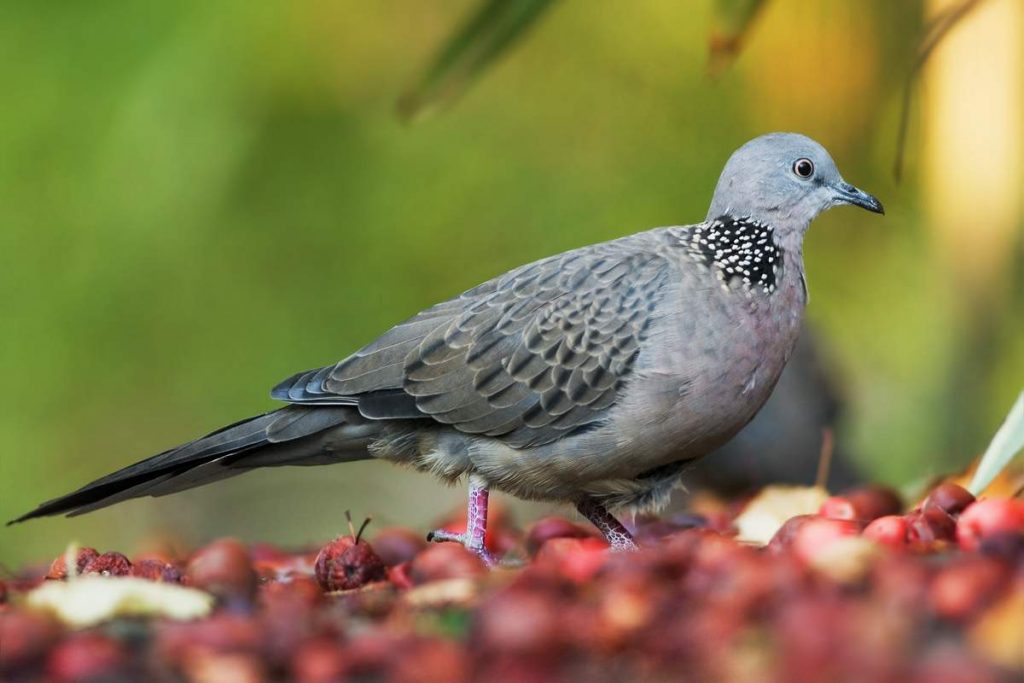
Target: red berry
(521,622)
(24,638)
(964,587)
(156,570)
(987,518)
(805,535)
(930,525)
(577,559)
(395,546)
(84,557)
(109,564)
(819,533)
(319,661)
(872,502)
(552,527)
(399,575)
(346,563)
(224,569)
(949,497)
(86,657)
(445,561)
(890,530)
(427,661)
(837,507)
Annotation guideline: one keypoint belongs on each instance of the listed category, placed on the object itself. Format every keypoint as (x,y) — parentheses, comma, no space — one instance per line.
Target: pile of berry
(860,591)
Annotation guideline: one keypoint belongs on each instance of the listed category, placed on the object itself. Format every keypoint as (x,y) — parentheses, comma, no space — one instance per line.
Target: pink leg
(476,524)
(613,531)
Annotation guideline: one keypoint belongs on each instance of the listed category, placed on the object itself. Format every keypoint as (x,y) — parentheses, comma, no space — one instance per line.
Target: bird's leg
(476,524)
(613,531)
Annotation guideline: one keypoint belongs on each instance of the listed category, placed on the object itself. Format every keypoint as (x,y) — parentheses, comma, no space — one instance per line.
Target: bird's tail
(294,435)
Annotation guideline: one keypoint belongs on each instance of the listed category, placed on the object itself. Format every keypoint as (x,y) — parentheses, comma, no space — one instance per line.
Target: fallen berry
(224,569)
(577,559)
(966,586)
(109,564)
(547,528)
(24,637)
(930,525)
(949,497)
(156,570)
(872,502)
(890,530)
(319,661)
(58,570)
(987,518)
(86,657)
(395,546)
(837,507)
(445,561)
(348,562)
(818,534)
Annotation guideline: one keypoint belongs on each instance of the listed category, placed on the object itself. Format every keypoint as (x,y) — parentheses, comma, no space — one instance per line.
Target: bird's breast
(709,367)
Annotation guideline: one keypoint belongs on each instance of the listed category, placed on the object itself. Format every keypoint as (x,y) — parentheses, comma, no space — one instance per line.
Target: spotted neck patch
(736,249)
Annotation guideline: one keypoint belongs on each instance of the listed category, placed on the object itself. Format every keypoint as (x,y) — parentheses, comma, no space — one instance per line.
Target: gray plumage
(596,374)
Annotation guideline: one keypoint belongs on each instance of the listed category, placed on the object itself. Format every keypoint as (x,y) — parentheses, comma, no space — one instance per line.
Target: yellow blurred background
(199,199)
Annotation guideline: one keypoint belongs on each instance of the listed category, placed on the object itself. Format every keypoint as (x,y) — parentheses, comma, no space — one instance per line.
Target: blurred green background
(199,199)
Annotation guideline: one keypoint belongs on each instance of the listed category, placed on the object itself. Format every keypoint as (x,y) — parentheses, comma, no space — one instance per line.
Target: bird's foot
(473,539)
(445,536)
(618,536)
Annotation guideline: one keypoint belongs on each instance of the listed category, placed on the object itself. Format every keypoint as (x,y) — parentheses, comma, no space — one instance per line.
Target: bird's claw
(444,536)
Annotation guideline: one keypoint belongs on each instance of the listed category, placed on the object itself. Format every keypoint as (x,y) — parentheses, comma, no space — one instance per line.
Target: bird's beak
(845,193)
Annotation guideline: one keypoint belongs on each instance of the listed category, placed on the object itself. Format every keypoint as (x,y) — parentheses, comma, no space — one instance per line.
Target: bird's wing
(526,357)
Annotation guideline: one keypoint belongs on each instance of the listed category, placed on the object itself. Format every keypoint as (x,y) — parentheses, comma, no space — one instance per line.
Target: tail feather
(294,435)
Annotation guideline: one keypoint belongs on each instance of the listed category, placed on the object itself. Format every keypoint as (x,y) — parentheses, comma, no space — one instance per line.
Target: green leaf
(732,22)
(1007,442)
(481,39)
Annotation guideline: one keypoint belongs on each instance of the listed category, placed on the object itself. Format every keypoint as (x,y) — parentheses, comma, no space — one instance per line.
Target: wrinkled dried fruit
(348,562)
(58,570)
(109,564)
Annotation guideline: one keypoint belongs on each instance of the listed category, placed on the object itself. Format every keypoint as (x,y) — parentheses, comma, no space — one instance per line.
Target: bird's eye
(803,168)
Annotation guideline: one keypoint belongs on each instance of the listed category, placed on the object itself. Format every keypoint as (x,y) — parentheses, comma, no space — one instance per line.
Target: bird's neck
(738,250)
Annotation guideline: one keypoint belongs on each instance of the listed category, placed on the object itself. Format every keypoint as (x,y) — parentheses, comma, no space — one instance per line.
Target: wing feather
(527,357)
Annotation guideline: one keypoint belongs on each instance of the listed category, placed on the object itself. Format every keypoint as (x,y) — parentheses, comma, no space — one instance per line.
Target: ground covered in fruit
(860,589)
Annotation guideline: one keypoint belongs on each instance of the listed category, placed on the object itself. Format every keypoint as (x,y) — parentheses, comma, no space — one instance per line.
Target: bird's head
(784,180)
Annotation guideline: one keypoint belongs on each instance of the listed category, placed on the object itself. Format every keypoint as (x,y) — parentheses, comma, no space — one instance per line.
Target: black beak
(848,194)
